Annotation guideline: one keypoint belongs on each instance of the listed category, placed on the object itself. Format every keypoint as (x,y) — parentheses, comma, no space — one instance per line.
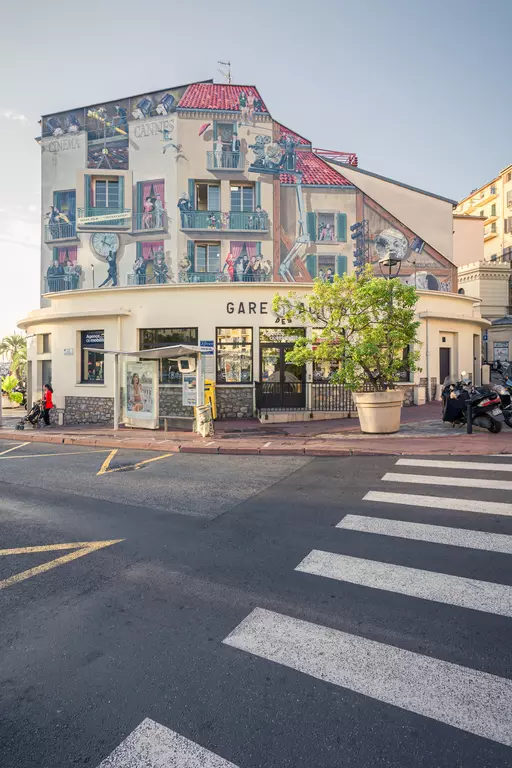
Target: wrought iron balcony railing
(236,221)
(57,283)
(150,222)
(60,231)
(103,217)
(225,161)
(134,279)
(223,277)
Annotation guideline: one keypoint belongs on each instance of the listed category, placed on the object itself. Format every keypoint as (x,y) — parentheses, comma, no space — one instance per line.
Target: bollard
(469,417)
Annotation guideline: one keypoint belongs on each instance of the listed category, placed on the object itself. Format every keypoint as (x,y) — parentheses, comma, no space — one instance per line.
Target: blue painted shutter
(257,188)
(72,205)
(192,193)
(121,193)
(311,225)
(258,249)
(311,264)
(191,255)
(140,204)
(139,250)
(214,130)
(341,265)
(341,222)
(87,193)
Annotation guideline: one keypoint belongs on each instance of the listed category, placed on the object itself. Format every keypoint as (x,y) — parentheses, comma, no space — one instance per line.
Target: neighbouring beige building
(492,202)
(174,217)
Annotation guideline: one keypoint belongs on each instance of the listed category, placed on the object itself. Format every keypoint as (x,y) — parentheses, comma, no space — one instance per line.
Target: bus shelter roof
(172,352)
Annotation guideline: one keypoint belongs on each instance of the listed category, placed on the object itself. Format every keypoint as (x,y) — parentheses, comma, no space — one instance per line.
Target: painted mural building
(175,216)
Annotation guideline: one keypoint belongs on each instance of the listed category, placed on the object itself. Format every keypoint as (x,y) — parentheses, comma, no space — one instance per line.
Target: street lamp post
(390,261)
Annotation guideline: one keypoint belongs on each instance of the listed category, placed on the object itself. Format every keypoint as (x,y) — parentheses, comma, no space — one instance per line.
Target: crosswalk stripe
(470,465)
(436,534)
(465,482)
(152,745)
(441,502)
(473,701)
(485,596)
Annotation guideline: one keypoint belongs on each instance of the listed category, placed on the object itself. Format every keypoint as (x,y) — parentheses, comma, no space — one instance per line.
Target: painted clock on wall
(104,242)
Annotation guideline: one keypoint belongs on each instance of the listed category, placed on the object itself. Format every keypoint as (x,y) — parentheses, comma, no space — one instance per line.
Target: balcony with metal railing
(235,221)
(59,232)
(225,161)
(223,277)
(155,221)
(93,218)
(65,282)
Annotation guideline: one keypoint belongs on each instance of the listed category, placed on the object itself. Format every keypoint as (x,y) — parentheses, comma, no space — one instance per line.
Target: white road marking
(441,502)
(14,448)
(266,445)
(152,745)
(485,596)
(473,701)
(465,482)
(470,465)
(437,534)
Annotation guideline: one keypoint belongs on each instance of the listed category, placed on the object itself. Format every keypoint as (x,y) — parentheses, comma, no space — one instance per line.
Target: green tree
(15,347)
(9,384)
(367,325)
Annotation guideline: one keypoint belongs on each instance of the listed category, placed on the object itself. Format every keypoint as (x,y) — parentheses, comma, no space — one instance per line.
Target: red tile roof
(315,172)
(217,96)
(287,132)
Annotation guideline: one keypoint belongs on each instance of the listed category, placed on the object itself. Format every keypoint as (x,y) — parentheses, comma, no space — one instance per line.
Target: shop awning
(172,352)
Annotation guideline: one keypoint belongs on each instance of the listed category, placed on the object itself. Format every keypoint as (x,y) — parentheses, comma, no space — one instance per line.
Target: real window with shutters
(493,209)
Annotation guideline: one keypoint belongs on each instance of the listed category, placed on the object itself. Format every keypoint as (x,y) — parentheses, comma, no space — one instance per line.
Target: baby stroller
(34,417)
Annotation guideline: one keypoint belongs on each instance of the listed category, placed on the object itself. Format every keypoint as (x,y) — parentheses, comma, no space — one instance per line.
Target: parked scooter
(505,392)
(485,404)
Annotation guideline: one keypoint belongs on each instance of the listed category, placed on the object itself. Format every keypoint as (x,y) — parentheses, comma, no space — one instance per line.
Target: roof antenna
(225,73)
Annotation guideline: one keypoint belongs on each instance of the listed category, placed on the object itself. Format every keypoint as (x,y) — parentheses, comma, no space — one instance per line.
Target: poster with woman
(141,393)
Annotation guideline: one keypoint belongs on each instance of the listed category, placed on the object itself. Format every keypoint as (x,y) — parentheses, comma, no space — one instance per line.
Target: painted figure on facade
(391,243)
(72,273)
(160,268)
(72,124)
(229,266)
(242,102)
(139,270)
(55,276)
(185,207)
(147,216)
(112,269)
(158,212)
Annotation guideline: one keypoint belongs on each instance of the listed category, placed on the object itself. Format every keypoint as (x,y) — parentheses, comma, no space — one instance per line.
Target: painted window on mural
(208,257)
(93,358)
(207,197)
(150,265)
(106,193)
(327,227)
(150,205)
(63,255)
(245,263)
(225,132)
(242,197)
(234,355)
(152,338)
(325,266)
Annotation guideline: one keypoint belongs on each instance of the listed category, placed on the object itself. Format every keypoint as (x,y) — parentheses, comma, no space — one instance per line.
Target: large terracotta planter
(379,412)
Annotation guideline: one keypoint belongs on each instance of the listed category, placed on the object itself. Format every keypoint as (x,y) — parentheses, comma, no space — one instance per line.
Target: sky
(419,90)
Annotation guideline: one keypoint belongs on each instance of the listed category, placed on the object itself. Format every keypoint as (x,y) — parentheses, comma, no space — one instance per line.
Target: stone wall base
(87,410)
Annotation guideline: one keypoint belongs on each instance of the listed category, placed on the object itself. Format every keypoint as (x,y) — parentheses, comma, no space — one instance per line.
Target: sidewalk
(422,432)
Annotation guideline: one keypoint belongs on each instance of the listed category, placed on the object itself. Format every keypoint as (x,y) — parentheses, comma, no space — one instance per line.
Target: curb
(334,451)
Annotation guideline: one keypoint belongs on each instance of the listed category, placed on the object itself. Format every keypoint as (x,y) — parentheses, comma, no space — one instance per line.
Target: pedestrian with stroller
(47,404)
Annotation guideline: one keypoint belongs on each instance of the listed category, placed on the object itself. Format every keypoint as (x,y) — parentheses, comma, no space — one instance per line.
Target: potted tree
(366,325)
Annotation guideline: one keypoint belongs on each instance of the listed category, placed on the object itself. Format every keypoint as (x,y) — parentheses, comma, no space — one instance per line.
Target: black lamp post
(390,261)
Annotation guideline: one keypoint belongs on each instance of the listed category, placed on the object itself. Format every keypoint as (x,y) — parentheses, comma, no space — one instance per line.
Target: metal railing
(306,396)
(134,279)
(147,222)
(236,221)
(223,277)
(57,283)
(59,231)
(225,161)
(103,217)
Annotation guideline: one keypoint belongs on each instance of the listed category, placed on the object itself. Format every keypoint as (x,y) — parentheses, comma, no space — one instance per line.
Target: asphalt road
(223,619)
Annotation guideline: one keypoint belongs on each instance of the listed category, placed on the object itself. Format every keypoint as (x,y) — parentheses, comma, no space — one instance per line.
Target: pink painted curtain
(67,253)
(149,249)
(236,248)
(152,189)
(251,249)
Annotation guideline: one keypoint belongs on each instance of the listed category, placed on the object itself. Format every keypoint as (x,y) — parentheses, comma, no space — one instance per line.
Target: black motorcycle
(485,405)
(505,392)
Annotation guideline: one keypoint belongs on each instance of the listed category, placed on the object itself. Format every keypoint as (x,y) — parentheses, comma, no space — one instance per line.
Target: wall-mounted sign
(93,337)
(84,220)
(247,307)
(152,128)
(61,144)
(207,347)
(501,351)
(69,351)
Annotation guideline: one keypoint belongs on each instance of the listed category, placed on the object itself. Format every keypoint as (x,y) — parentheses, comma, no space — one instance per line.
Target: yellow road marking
(106,464)
(41,455)
(81,548)
(14,448)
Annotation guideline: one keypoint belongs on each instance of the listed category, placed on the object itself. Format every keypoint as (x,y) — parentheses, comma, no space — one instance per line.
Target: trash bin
(209,396)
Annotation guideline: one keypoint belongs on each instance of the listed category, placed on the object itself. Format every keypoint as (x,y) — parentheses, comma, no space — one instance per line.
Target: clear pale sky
(420,90)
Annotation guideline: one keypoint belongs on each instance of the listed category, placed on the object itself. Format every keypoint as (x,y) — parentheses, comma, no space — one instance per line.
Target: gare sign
(247,307)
